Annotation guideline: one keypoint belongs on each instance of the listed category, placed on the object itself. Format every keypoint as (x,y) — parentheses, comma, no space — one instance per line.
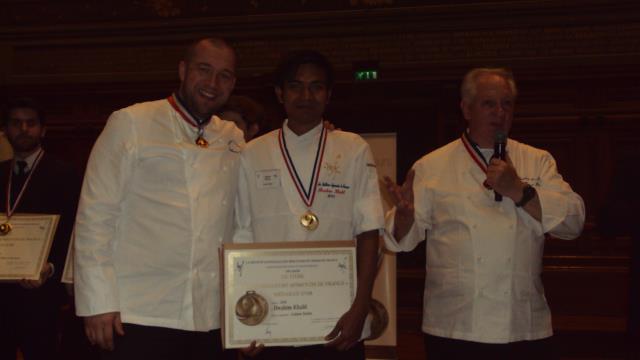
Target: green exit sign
(366,75)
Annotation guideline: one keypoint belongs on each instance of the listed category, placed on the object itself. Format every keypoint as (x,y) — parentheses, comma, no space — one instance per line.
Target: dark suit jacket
(53,189)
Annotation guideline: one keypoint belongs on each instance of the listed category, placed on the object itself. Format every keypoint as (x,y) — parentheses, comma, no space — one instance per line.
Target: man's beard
(24,144)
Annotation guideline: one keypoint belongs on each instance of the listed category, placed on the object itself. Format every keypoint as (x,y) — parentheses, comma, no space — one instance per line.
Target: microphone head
(501,137)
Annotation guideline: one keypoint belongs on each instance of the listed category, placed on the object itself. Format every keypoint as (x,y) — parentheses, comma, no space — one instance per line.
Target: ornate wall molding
(408,41)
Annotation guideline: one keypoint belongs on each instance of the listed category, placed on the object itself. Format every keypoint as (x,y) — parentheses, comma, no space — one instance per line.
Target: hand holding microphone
(500,152)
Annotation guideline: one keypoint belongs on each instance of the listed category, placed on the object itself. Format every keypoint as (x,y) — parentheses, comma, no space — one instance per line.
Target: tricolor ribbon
(476,155)
(11,209)
(185,114)
(307,195)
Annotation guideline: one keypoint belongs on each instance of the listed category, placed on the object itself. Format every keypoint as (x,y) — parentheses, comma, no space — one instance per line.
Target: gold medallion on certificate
(251,308)
(5,228)
(309,220)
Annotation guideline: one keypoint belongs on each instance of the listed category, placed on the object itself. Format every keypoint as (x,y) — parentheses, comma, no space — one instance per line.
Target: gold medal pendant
(5,228)
(202,142)
(309,221)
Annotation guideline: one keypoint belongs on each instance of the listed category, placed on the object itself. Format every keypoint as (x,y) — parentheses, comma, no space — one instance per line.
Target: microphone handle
(502,155)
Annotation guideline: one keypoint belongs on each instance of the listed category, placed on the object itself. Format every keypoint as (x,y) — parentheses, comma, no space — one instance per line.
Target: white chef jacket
(153,212)
(347,200)
(484,258)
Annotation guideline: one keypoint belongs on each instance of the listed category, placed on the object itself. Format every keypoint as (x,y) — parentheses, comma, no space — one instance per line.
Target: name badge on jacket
(268,179)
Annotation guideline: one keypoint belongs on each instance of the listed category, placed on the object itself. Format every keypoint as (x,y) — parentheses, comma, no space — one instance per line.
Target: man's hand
(99,329)
(402,197)
(45,274)
(502,177)
(347,331)
(252,350)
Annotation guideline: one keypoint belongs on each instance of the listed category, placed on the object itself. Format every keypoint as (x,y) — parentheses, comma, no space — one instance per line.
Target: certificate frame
(25,249)
(67,273)
(305,287)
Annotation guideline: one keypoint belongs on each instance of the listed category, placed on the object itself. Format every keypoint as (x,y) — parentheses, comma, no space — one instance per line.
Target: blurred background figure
(246,113)
(6,152)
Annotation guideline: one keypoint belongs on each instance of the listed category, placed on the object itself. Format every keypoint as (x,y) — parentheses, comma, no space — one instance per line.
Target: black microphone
(500,152)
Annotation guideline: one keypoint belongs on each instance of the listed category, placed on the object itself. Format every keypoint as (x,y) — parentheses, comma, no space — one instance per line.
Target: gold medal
(202,142)
(5,228)
(309,221)
(251,308)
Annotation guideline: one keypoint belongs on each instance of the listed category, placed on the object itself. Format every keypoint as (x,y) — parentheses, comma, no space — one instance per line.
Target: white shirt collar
(29,160)
(309,135)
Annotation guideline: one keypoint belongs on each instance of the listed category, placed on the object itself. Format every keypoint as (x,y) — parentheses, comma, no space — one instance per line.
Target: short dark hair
(22,103)
(215,41)
(251,111)
(288,67)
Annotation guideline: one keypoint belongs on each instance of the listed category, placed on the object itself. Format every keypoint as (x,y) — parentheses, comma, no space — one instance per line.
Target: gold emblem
(309,221)
(202,142)
(251,308)
(332,167)
(5,228)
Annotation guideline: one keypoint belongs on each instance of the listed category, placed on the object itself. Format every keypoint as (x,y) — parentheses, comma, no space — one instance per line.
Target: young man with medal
(156,204)
(34,182)
(303,182)
(483,294)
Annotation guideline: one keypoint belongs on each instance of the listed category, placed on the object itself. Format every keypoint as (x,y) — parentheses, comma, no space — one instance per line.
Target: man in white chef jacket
(483,294)
(303,182)
(156,204)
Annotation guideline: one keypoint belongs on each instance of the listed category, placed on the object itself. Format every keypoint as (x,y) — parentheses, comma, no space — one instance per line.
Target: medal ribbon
(476,155)
(308,196)
(11,209)
(185,114)
(474,152)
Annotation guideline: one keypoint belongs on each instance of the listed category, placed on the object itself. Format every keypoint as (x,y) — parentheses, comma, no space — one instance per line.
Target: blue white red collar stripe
(180,109)
(307,195)
(474,152)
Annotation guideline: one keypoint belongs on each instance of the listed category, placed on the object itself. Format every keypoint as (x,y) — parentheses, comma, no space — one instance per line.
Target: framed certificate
(284,294)
(67,273)
(24,249)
